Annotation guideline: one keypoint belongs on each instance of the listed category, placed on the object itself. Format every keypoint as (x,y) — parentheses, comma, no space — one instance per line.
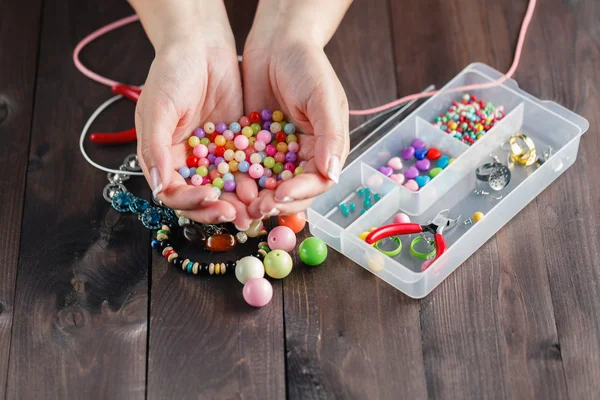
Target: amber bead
(220,243)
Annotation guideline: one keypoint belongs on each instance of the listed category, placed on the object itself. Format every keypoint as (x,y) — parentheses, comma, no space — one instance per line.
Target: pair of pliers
(132,93)
(440,223)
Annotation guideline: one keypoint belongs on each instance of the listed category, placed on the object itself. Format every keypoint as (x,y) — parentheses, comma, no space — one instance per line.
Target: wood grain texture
(489,330)
(205,341)
(17,80)
(81,296)
(348,334)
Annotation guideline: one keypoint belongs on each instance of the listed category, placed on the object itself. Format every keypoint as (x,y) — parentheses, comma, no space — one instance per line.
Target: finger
(155,124)
(182,196)
(245,187)
(267,206)
(242,220)
(218,212)
(327,110)
(305,186)
(254,210)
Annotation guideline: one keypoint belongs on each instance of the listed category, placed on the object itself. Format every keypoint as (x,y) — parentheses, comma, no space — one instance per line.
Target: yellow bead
(282,147)
(451,161)
(291,138)
(299,170)
(230,145)
(217,269)
(220,140)
(251,141)
(277,116)
(363,235)
(478,216)
(194,141)
(372,229)
(247,131)
(233,166)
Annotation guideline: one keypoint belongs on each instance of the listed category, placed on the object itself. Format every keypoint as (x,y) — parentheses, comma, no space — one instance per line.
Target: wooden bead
(166,228)
(262,252)
(217,269)
(166,249)
(172,257)
(211,268)
(195,268)
(161,237)
(220,243)
(223,268)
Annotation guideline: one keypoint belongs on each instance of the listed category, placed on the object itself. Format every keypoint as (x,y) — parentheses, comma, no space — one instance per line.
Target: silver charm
(484,193)
(131,163)
(111,189)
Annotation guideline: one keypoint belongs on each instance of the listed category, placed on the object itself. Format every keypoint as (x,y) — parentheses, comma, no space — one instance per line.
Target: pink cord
(132,18)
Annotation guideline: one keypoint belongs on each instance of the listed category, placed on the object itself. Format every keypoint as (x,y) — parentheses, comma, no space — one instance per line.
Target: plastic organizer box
(546,123)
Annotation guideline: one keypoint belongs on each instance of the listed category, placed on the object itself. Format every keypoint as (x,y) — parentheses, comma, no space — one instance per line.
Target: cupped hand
(294,75)
(189,84)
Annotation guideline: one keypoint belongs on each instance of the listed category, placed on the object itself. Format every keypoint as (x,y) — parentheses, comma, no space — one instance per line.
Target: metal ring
(131,163)
(111,189)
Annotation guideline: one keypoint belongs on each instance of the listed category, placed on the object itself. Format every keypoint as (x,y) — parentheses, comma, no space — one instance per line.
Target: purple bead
(265,114)
(199,132)
(418,143)
(411,173)
(290,157)
(279,176)
(267,125)
(423,165)
(221,127)
(211,158)
(387,171)
(262,181)
(408,152)
(219,160)
(229,186)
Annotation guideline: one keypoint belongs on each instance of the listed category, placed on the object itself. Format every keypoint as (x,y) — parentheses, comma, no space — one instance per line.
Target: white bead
(183,221)
(249,268)
(241,237)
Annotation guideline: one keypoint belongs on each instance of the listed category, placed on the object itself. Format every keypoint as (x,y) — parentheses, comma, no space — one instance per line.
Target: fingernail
(223,218)
(157,186)
(208,200)
(241,228)
(271,213)
(286,199)
(333,171)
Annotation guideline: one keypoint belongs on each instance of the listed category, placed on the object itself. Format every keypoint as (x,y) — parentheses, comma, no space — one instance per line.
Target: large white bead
(249,268)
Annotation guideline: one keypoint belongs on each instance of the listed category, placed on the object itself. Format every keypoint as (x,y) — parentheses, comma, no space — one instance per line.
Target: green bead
(283,124)
(433,173)
(255,128)
(205,141)
(278,168)
(312,251)
(269,162)
(218,183)
(278,264)
(162,231)
(265,248)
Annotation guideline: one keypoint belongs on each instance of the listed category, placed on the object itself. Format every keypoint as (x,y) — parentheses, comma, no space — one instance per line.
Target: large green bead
(278,264)
(312,251)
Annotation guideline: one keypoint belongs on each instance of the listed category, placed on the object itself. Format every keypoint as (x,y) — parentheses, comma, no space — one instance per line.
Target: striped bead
(195,268)
(164,252)
(172,256)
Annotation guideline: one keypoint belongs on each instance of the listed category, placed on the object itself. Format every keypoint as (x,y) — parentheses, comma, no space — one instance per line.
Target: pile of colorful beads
(469,119)
(262,145)
(417,176)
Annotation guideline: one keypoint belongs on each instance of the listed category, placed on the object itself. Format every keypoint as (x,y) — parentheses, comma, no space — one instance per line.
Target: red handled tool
(128,136)
(440,223)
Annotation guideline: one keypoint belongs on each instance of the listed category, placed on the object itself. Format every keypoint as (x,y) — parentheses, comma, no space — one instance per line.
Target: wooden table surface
(88,311)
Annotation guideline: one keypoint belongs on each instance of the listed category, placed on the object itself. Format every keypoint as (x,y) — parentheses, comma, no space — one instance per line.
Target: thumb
(328,113)
(155,126)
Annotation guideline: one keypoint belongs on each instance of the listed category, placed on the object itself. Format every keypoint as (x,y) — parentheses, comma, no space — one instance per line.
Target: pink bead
(257,292)
(268,172)
(290,166)
(271,150)
(212,148)
(228,134)
(279,157)
(395,163)
(259,145)
(244,121)
(196,180)
(271,183)
(411,184)
(282,238)
(249,151)
(399,178)
(256,171)
(203,162)
(214,174)
(293,147)
(205,180)
(264,136)
(200,151)
(241,141)
(401,219)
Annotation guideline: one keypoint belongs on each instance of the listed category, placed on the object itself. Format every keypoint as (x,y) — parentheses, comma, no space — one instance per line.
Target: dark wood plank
(205,341)
(17,80)
(569,215)
(81,298)
(348,334)
(489,329)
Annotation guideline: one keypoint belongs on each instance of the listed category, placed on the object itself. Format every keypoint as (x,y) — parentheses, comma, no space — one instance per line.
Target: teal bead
(352,207)
(442,162)
(360,192)
(377,197)
(367,191)
(189,267)
(422,180)
(362,212)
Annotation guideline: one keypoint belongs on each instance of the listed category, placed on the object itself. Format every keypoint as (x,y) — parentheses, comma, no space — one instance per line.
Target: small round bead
(196,180)
(289,129)
(211,268)
(212,148)
(256,171)
(241,142)
(280,137)
(277,116)
(213,174)
(259,145)
(155,244)
(289,166)
(247,131)
(202,171)
(228,155)
(278,168)
(228,176)
(285,175)
(244,166)
(199,133)
(254,117)
(263,136)
(223,168)
(279,157)
(221,127)
(220,140)
(290,157)
(282,147)
(229,186)
(233,166)
(478,216)
(270,150)
(191,161)
(184,172)
(193,141)
(200,150)
(278,264)
(235,127)
(244,121)
(220,150)
(275,127)
(218,183)
(299,171)
(205,141)
(282,238)
(209,127)
(271,183)
(255,128)
(293,147)
(262,181)
(255,158)
(265,114)
(240,156)
(269,162)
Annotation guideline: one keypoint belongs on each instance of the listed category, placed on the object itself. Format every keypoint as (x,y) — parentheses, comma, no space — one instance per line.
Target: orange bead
(295,222)
(282,147)
(230,145)
(233,166)
(220,140)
